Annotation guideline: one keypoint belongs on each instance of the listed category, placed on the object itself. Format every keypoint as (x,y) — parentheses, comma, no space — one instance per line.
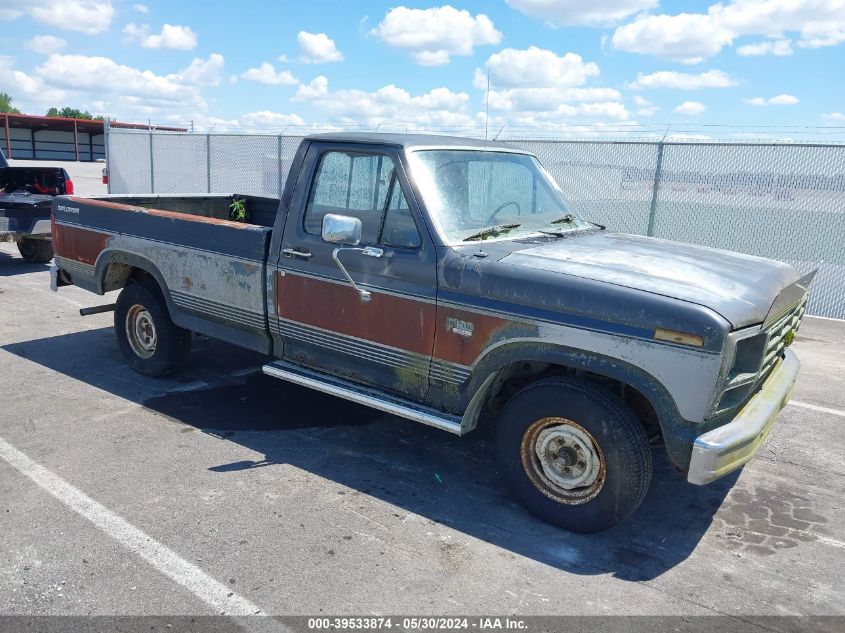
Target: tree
(72,113)
(6,104)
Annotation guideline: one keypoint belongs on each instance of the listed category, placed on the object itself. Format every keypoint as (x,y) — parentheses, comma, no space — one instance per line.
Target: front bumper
(726,448)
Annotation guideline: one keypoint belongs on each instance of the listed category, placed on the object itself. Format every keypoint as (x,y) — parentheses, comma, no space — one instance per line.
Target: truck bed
(26,194)
(212,269)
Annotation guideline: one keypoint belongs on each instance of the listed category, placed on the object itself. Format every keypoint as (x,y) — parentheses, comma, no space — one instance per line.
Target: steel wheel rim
(563,460)
(141,331)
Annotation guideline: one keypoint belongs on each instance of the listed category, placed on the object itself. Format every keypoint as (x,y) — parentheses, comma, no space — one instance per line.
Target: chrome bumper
(726,448)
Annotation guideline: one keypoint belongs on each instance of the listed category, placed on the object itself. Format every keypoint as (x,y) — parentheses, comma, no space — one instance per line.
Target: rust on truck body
(81,245)
(402,322)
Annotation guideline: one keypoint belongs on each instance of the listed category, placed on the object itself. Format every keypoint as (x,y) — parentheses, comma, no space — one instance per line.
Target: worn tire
(35,251)
(546,409)
(141,318)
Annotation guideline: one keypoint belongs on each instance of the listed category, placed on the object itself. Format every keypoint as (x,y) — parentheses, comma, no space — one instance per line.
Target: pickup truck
(440,278)
(26,197)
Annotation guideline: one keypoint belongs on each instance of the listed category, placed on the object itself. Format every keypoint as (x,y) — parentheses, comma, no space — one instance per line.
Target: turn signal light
(682,338)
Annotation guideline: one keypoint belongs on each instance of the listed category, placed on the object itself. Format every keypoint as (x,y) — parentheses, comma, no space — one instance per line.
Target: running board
(363,395)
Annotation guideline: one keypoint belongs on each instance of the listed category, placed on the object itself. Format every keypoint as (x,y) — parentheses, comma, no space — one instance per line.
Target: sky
(738,68)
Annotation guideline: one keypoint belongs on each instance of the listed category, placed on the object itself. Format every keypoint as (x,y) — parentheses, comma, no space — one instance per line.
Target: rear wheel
(35,251)
(148,339)
(574,454)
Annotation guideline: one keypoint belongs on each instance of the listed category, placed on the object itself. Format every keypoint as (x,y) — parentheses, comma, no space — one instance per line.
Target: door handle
(294,252)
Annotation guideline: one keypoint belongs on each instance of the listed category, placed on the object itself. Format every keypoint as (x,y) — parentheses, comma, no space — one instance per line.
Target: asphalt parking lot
(222,489)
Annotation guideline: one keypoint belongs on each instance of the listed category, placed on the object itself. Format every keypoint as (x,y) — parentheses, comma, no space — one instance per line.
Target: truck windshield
(475,195)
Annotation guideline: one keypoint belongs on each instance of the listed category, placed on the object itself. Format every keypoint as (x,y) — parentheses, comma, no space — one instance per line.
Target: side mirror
(341,229)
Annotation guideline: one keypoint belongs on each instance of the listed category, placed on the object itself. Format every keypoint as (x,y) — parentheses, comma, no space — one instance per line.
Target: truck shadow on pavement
(445,479)
(11,265)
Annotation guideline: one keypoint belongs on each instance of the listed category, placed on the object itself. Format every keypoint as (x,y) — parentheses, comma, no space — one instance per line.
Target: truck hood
(739,287)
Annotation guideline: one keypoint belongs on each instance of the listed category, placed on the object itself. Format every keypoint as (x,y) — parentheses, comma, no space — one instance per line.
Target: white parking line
(815,407)
(165,560)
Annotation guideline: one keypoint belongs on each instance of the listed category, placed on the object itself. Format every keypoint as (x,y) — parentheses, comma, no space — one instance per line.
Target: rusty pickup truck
(440,278)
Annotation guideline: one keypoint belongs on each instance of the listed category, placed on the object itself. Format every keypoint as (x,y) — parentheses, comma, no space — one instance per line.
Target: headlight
(740,368)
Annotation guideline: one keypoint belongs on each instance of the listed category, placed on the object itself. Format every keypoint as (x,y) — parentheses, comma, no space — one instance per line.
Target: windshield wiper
(566,219)
(571,219)
(491,231)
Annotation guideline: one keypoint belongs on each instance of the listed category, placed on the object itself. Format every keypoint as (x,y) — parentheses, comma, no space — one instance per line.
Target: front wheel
(574,454)
(148,339)
(35,251)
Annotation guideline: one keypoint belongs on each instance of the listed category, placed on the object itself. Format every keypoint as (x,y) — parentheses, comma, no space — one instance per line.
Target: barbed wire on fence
(674,130)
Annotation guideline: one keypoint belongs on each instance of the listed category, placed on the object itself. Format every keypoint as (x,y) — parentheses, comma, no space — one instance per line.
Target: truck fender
(113,256)
(492,364)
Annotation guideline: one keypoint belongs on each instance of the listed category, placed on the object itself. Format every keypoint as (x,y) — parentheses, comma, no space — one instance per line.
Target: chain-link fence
(784,201)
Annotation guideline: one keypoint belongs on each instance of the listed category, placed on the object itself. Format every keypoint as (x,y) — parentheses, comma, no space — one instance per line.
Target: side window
(358,185)
(399,229)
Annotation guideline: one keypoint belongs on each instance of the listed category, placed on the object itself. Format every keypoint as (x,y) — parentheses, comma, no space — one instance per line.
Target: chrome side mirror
(346,230)
(341,229)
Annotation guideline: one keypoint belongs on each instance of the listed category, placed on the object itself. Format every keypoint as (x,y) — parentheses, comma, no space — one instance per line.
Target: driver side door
(323,322)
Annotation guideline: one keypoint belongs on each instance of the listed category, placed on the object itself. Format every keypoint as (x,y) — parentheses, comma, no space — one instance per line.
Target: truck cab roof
(411,141)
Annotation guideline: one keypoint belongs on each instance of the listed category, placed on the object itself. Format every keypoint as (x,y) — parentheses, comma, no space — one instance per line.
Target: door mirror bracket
(370,251)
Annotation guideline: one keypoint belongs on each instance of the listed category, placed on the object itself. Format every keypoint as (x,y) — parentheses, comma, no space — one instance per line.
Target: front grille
(777,335)
(755,356)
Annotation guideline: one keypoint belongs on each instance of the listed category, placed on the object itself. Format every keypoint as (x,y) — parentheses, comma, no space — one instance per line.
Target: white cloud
(84,16)
(835,116)
(26,89)
(259,122)
(557,104)
(691,37)
(45,44)
(779,48)
(568,112)
(103,86)
(691,108)
(266,118)
(118,85)
(645,107)
(317,48)
(535,67)
(539,85)
(683,81)
(317,87)
(266,74)
(685,37)
(140,8)
(433,35)
(201,72)
(548,99)
(581,13)
(135,32)
(778,100)
(389,105)
(172,36)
